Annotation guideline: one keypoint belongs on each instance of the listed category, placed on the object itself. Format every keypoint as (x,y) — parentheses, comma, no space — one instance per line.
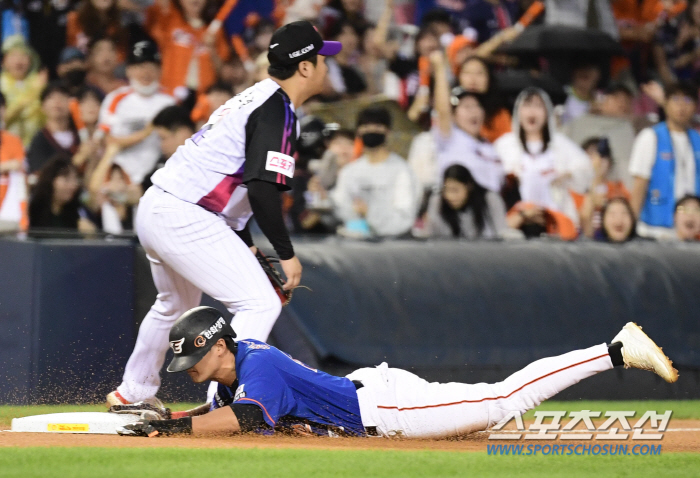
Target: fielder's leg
(198,252)
(175,297)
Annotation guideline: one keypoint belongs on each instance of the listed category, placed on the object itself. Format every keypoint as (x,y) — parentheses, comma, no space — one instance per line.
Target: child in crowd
(602,188)
(21,83)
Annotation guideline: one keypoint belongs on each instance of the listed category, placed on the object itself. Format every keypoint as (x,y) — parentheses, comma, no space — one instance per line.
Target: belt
(370,431)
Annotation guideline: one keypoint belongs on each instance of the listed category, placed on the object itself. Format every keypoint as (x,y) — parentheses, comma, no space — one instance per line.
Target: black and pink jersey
(252,136)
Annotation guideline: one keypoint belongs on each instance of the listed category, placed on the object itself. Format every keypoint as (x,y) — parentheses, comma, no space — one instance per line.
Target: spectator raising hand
(112,195)
(191,58)
(460,118)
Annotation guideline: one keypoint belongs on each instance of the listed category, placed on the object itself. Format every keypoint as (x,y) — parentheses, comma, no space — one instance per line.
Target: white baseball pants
(400,403)
(191,251)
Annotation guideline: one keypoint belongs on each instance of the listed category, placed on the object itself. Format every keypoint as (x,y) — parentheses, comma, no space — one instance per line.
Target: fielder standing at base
(232,169)
(262,388)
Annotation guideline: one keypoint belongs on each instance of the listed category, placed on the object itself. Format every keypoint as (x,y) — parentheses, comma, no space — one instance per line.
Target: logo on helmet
(200,341)
(176,345)
(211,331)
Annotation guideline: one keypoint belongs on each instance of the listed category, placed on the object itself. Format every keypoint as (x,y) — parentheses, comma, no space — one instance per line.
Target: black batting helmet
(194,334)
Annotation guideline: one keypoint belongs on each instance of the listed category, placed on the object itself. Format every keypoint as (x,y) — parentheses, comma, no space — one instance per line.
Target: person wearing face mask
(547,165)
(376,195)
(460,117)
(127,112)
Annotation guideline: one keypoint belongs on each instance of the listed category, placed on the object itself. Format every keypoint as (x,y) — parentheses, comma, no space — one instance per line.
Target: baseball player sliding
(193,221)
(262,388)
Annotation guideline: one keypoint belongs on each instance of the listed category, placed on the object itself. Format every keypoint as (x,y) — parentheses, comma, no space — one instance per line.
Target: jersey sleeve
(271,138)
(264,387)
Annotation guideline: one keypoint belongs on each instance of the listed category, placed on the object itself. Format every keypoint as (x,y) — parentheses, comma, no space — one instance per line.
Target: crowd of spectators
(98,94)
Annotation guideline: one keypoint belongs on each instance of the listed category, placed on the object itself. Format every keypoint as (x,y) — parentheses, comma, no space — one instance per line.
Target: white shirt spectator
(422,158)
(537,171)
(388,188)
(479,157)
(125,112)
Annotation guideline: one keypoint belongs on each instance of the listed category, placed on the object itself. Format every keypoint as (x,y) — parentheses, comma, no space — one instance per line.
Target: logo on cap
(304,50)
(176,345)
(200,341)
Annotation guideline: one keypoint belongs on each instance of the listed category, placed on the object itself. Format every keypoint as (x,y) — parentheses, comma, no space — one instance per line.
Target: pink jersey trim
(217,199)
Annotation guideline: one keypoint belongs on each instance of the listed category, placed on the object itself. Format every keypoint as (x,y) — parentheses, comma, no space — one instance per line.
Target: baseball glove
(275,277)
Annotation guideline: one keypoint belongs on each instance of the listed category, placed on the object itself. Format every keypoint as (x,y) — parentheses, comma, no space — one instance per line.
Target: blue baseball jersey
(290,393)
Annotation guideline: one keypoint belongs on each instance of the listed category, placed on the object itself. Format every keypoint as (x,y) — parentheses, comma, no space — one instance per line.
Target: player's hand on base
(141,428)
(292,271)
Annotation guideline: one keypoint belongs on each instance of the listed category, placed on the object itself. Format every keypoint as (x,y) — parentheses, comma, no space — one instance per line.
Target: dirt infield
(681,436)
